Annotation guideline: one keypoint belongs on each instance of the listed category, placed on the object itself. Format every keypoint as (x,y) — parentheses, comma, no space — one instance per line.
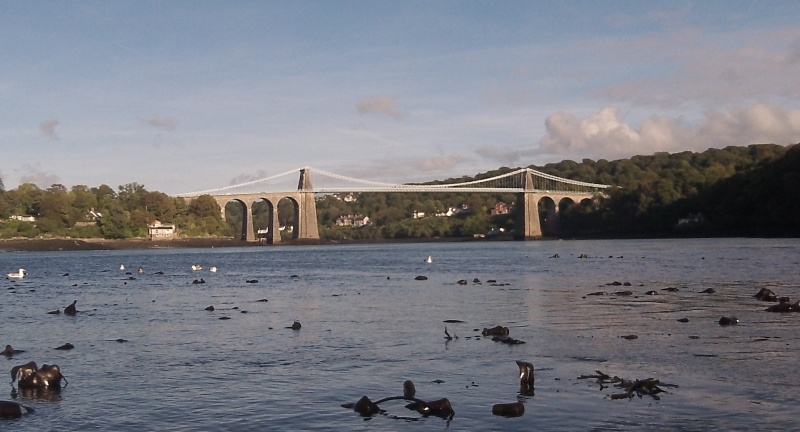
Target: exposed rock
(514,409)
(507,340)
(784,306)
(13,410)
(495,331)
(409,391)
(766,294)
(366,407)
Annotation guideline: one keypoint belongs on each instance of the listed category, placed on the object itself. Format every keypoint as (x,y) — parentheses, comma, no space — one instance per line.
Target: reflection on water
(149,356)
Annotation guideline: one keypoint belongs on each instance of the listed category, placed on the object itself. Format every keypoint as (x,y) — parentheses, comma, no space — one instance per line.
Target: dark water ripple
(149,357)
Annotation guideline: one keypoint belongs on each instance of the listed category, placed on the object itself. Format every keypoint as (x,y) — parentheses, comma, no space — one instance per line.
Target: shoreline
(73,244)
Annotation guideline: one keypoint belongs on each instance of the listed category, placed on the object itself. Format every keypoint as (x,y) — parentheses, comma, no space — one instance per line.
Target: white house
(159,231)
(24,218)
(352,220)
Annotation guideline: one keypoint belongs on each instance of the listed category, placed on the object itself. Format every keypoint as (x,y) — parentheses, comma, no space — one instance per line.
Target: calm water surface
(367,326)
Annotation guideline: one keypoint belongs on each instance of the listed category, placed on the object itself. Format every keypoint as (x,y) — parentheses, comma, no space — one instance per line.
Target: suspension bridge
(531,187)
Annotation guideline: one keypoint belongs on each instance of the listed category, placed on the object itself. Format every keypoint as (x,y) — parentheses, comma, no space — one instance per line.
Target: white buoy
(122,266)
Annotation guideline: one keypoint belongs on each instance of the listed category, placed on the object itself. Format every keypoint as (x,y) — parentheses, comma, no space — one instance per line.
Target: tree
(131,195)
(204,206)
(160,205)
(204,217)
(116,222)
(83,199)
(104,191)
(25,199)
(55,206)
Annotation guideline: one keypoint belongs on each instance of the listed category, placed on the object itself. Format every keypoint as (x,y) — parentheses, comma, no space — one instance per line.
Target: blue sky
(182,96)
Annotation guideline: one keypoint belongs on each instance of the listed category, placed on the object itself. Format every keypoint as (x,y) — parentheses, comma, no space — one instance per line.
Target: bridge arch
(304,219)
(242,209)
(531,187)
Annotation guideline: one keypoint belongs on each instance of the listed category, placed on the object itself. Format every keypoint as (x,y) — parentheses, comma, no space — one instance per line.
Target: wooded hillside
(750,191)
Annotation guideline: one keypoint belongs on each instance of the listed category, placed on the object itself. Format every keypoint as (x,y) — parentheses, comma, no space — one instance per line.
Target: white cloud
(605,135)
(438,163)
(48,129)
(405,170)
(719,70)
(161,122)
(506,156)
(379,105)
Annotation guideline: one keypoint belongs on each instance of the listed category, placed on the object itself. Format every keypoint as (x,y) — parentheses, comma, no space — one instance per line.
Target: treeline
(84,212)
(735,191)
(752,190)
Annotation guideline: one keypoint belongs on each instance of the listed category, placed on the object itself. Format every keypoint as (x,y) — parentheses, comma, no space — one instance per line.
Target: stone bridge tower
(306,223)
(527,209)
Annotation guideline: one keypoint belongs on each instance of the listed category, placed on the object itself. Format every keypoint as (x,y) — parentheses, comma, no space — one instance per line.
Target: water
(367,326)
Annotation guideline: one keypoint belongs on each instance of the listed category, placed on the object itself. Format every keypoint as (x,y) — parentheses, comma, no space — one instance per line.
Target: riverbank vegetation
(752,190)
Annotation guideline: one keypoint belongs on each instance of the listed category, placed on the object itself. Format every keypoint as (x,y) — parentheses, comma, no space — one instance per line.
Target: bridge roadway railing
(529,225)
(303,199)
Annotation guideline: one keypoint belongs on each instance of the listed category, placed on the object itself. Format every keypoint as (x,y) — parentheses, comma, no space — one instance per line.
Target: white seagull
(18,275)
(196,267)
(212,269)
(429,260)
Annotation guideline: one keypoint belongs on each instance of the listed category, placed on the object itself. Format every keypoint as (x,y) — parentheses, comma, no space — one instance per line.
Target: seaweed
(646,387)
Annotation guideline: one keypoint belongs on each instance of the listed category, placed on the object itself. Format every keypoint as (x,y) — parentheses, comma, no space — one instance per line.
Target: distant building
(93,215)
(159,231)
(346,197)
(500,208)
(418,214)
(361,221)
(450,212)
(352,220)
(23,218)
(691,221)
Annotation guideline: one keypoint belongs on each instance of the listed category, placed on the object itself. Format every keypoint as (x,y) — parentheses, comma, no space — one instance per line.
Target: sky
(182,96)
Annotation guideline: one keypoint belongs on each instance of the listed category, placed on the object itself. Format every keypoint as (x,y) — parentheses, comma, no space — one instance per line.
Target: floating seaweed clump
(647,387)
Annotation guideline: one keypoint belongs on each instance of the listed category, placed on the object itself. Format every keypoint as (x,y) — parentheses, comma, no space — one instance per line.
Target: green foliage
(116,223)
(654,192)
(12,228)
(752,190)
